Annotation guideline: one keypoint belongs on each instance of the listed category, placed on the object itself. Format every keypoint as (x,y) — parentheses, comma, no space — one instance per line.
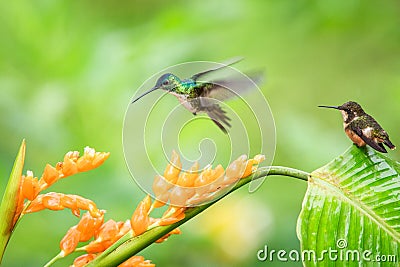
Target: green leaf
(8,206)
(352,206)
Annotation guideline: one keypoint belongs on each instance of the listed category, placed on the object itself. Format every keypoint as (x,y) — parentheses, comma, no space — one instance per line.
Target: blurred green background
(69,68)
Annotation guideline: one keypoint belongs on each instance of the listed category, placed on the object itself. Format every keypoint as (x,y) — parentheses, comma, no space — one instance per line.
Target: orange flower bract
(88,226)
(173,169)
(50,175)
(83,260)
(30,186)
(136,261)
(181,189)
(140,218)
(58,201)
(91,159)
(69,241)
(189,188)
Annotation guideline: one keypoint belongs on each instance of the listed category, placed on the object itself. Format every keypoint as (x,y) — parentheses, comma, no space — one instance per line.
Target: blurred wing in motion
(222,90)
(229,88)
(230,62)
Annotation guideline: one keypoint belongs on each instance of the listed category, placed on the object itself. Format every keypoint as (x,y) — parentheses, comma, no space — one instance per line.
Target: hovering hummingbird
(203,97)
(361,128)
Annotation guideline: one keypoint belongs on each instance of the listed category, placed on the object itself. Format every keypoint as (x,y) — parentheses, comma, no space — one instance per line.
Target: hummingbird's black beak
(335,107)
(145,93)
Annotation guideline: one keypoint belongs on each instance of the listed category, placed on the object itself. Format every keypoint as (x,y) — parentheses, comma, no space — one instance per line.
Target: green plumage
(205,97)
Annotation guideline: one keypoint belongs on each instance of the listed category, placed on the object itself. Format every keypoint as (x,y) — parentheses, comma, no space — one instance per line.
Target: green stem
(53,260)
(116,255)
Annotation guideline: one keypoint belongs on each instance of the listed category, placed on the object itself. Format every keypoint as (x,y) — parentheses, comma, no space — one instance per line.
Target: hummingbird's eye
(166,82)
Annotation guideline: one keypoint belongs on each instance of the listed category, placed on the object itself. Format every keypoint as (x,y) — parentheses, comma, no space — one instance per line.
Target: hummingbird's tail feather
(382,147)
(220,126)
(389,144)
(218,115)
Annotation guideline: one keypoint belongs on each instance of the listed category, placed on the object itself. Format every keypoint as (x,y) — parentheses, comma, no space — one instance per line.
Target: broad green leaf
(8,206)
(351,209)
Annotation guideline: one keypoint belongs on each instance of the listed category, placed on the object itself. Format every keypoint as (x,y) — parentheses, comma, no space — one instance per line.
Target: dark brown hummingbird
(362,128)
(199,96)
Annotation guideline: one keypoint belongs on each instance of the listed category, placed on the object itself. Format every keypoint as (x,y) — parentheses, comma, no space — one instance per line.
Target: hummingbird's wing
(233,87)
(217,91)
(369,141)
(224,65)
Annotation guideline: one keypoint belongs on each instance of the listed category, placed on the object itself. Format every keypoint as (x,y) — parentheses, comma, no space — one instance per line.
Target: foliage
(352,204)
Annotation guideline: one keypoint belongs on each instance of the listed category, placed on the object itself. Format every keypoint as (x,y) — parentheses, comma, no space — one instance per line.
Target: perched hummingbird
(361,128)
(202,97)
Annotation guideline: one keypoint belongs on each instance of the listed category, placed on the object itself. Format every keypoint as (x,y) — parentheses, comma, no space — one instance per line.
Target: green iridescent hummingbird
(362,128)
(205,96)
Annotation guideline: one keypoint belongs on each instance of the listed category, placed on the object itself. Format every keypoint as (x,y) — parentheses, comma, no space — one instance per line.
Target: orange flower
(58,201)
(91,159)
(184,189)
(172,219)
(86,204)
(91,224)
(30,186)
(69,241)
(173,169)
(73,164)
(235,170)
(207,177)
(88,226)
(50,175)
(136,261)
(181,188)
(69,166)
(140,218)
(187,179)
(52,201)
(162,184)
(179,195)
(123,228)
(172,215)
(96,246)
(83,260)
(249,165)
(160,189)
(188,188)
(108,233)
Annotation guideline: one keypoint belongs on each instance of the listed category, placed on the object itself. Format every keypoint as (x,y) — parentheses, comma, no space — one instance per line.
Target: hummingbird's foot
(194,113)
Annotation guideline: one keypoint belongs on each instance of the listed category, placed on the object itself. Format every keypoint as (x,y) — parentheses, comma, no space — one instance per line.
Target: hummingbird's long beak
(145,93)
(335,107)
